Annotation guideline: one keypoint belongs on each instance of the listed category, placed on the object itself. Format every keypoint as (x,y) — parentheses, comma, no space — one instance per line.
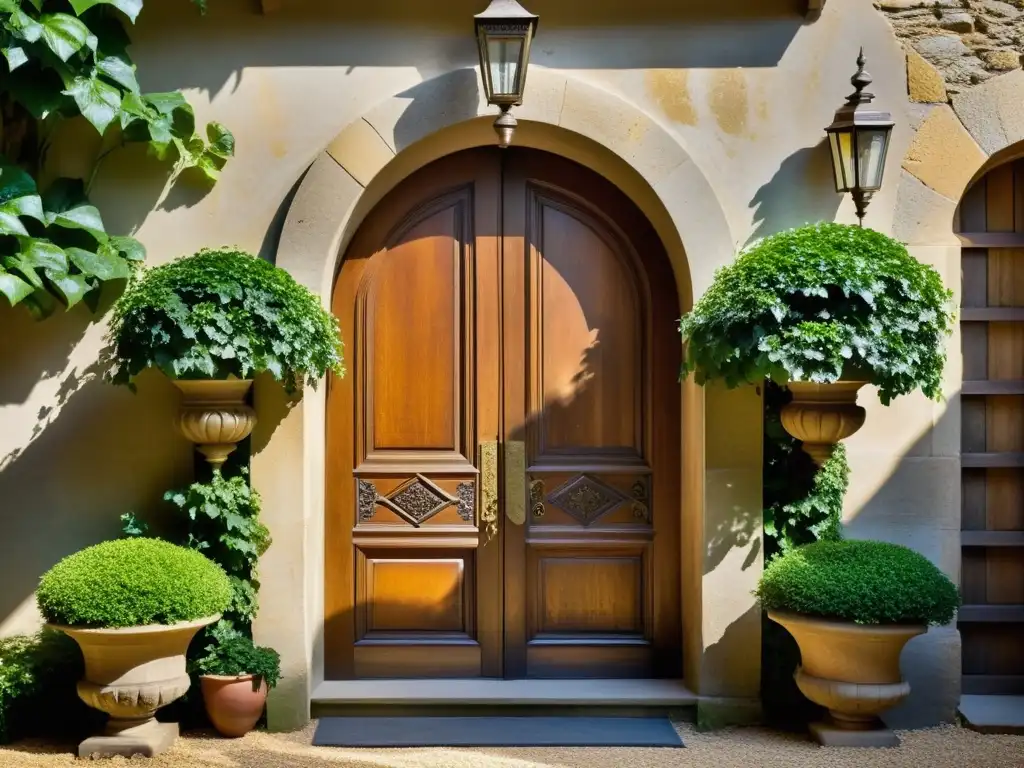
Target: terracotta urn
(234,704)
(853,670)
(129,674)
(820,415)
(215,416)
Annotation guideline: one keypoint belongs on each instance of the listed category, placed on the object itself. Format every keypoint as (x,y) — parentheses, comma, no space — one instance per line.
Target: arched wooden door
(503,484)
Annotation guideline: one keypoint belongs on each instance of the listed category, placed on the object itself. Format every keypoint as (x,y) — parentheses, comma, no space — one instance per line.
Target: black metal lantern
(859,139)
(504,32)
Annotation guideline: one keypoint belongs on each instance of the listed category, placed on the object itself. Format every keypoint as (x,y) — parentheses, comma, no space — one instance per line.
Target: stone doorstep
(588,693)
(993,714)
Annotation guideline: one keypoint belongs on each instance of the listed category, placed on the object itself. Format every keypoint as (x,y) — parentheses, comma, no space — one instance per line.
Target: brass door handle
(489,487)
(515,482)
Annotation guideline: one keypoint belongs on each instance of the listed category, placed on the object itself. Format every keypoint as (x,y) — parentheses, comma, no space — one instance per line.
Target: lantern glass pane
(871,145)
(846,155)
(837,162)
(503,54)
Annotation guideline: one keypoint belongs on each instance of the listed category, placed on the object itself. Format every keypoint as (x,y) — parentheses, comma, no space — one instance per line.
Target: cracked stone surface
(967,41)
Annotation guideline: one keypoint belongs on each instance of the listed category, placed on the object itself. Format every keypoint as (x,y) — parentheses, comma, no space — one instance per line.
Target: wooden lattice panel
(991,220)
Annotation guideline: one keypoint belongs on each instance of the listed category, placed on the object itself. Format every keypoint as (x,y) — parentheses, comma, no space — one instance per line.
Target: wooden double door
(503,473)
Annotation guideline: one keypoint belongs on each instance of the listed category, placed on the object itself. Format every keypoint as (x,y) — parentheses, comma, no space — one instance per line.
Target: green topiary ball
(131,583)
(866,582)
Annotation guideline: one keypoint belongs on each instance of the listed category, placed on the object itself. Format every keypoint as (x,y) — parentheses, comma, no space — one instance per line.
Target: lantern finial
(860,81)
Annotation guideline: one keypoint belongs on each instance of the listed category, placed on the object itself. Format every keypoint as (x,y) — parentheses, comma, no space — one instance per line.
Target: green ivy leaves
(60,65)
(222,521)
(55,246)
(813,302)
(223,313)
(129,8)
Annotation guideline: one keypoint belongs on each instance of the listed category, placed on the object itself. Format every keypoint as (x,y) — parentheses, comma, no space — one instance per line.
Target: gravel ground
(946,747)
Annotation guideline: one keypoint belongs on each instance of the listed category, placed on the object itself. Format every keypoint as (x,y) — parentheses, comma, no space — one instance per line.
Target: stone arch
(955,144)
(561,114)
(368,158)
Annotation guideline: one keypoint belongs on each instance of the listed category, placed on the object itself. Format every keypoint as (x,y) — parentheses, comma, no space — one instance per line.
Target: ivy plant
(234,656)
(803,503)
(222,313)
(812,303)
(221,520)
(64,59)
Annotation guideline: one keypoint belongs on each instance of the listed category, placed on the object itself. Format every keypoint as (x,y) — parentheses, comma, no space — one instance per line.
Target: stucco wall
(746,87)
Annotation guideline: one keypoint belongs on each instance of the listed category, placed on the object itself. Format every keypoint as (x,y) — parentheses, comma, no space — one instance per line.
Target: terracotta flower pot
(853,670)
(215,416)
(233,705)
(129,674)
(821,415)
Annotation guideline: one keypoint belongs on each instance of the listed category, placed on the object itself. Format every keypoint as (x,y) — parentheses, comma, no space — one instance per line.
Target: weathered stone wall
(967,41)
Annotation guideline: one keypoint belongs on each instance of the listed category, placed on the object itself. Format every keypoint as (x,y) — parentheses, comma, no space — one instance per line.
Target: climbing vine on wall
(64,59)
(802,504)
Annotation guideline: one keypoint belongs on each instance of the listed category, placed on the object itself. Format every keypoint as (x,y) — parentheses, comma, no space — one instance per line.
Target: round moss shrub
(222,313)
(805,304)
(866,582)
(131,583)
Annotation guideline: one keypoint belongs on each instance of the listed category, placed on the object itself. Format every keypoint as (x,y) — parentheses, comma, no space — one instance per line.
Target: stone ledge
(488,692)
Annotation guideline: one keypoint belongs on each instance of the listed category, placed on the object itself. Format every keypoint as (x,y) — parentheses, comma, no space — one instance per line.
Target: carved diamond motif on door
(586,498)
(418,500)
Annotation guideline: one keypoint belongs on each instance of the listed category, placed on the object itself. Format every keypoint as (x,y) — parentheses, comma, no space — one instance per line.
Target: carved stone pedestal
(853,670)
(215,416)
(821,415)
(129,674)
(146,739)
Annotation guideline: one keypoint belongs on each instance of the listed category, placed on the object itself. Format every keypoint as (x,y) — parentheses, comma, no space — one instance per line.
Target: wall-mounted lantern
(504,33)
(859,139)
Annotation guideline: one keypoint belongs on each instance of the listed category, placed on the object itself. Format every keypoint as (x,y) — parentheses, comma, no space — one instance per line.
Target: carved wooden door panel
(409,590)
(502,498)
(590,345)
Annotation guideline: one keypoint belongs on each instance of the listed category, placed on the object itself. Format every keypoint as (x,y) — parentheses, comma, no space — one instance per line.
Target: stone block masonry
(967,41)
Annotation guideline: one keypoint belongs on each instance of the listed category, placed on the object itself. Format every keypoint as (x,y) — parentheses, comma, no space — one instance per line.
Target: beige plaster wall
(744,88)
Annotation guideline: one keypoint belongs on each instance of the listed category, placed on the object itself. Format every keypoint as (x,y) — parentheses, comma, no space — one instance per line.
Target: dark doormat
(495,732)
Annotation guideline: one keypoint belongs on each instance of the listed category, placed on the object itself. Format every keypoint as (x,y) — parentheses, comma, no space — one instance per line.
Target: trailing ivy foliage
(805,304)
(232,656)
(222,313)
(38,676)
(803,503)
(222,522)
(64,59)
(132,582)
(865,582)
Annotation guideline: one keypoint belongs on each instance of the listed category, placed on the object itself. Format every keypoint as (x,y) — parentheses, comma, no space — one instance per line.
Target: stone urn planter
(215,416)
(852,670)
(821,415)
(233,703)
(130,673)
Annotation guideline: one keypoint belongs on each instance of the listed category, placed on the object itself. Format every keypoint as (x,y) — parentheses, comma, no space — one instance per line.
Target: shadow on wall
(801,192)
(81,455)
(915,501)
(434,38)
(449,99)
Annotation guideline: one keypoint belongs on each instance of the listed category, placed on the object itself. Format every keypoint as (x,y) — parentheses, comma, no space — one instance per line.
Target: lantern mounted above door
(504,33)
(859,141)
